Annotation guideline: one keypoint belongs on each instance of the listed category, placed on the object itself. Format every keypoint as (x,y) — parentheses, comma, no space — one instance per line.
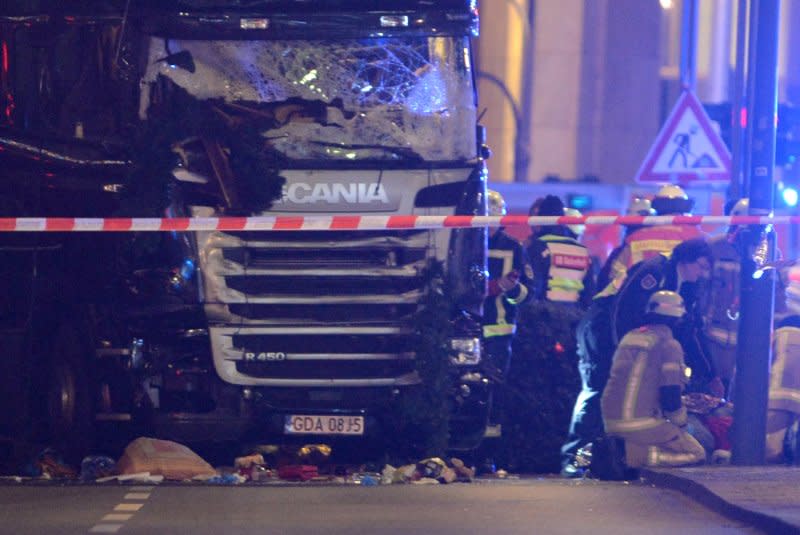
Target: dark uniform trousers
(595,353)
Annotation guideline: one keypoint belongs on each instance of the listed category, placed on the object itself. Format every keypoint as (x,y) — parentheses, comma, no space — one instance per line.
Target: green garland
(151,187)
(420,425)
(543,384)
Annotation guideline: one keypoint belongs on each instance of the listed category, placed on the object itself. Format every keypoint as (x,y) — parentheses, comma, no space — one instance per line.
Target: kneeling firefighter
(642,402)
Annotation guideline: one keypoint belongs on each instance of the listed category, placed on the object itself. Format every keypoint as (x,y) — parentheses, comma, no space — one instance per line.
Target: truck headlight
(465,351)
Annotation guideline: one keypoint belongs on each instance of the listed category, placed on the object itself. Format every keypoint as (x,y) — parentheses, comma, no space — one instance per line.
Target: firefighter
(509,285)
(684,272)
(650,241)
(561,264)
(642,401)
(639,206)
(783,408)
(721,312)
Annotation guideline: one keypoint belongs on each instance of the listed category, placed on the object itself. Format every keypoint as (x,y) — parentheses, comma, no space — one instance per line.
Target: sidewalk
(766,497)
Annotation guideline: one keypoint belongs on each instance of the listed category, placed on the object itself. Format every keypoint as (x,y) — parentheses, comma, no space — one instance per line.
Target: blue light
(790,196)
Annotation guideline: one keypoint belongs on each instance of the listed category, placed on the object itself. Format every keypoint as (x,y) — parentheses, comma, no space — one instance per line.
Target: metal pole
(689,45)
(737,102)
(753,354)
(522,141)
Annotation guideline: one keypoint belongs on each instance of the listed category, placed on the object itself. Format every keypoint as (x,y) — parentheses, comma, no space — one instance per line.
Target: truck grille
(314,309)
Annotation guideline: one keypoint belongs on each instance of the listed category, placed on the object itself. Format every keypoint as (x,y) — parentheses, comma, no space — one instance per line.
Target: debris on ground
(163,457)
(433,470)
(94,467)
(224,479)
(49,464)
(298,472)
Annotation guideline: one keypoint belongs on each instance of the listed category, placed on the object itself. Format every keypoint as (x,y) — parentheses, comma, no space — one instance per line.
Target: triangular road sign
(687,148)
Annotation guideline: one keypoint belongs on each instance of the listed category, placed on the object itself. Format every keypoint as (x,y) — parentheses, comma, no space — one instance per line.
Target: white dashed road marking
(132,502)
(128,506)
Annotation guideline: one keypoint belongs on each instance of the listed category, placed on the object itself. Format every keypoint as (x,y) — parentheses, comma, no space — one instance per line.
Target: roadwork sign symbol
(687,148)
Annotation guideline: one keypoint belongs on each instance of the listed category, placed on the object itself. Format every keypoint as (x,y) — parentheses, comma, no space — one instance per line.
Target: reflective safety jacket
(648,242)
(500,312)
(784,382)
(561,269)
(646,359)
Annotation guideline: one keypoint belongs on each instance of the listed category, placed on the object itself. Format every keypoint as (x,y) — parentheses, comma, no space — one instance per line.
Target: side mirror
(182,60)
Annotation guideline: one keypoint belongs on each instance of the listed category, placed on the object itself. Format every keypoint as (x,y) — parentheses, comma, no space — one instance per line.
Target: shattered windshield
(378,99)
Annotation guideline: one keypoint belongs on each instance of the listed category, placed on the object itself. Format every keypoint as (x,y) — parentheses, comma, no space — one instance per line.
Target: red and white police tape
(356,222)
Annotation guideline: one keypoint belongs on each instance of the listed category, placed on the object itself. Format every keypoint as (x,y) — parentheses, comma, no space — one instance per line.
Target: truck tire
(70,425)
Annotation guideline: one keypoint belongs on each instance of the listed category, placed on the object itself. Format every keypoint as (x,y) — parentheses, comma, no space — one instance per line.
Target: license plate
(311,424)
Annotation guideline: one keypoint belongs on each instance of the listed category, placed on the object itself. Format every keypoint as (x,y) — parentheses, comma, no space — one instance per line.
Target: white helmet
(666,303)
(575,229)
(741,207)
(671,199)
(640,206)
(496,203)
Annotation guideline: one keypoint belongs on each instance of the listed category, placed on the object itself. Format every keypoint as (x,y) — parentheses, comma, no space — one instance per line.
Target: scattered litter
(163,457)
(464,473)
(249,460)
(97,466)
(431,468)
(369,481)
(50,465)
(226,479)
(298,472)
(387,474)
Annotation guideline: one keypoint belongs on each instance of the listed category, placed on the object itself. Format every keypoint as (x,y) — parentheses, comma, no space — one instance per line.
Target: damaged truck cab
(196,108)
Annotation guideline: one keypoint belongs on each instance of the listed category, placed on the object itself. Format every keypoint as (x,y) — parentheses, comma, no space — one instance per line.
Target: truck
(203,108)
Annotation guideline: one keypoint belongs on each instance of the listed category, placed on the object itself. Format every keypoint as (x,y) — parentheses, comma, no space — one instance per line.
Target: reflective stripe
(632,424)
(565,296)
(784,394)
(508,264)
(633,386)
(569,262)
(668,458)
(722,336)
(640,248)
(523,293)
(671,367)
(498,330)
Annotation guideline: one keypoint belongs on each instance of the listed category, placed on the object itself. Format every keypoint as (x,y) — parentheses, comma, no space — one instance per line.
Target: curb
(703,495)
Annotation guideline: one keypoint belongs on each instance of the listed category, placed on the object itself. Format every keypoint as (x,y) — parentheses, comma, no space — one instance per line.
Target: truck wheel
(68,399)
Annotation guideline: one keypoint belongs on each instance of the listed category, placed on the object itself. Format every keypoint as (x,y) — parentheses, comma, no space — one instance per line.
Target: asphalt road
(533,505)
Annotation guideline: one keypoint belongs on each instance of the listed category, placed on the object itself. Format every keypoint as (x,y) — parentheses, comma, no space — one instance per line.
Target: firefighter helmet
(671,199)
(666,303)
(496,203)
(741,207)
(575,229)
(640,206)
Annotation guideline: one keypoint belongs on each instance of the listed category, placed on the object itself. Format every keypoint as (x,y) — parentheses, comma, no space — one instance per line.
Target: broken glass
(386,99)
